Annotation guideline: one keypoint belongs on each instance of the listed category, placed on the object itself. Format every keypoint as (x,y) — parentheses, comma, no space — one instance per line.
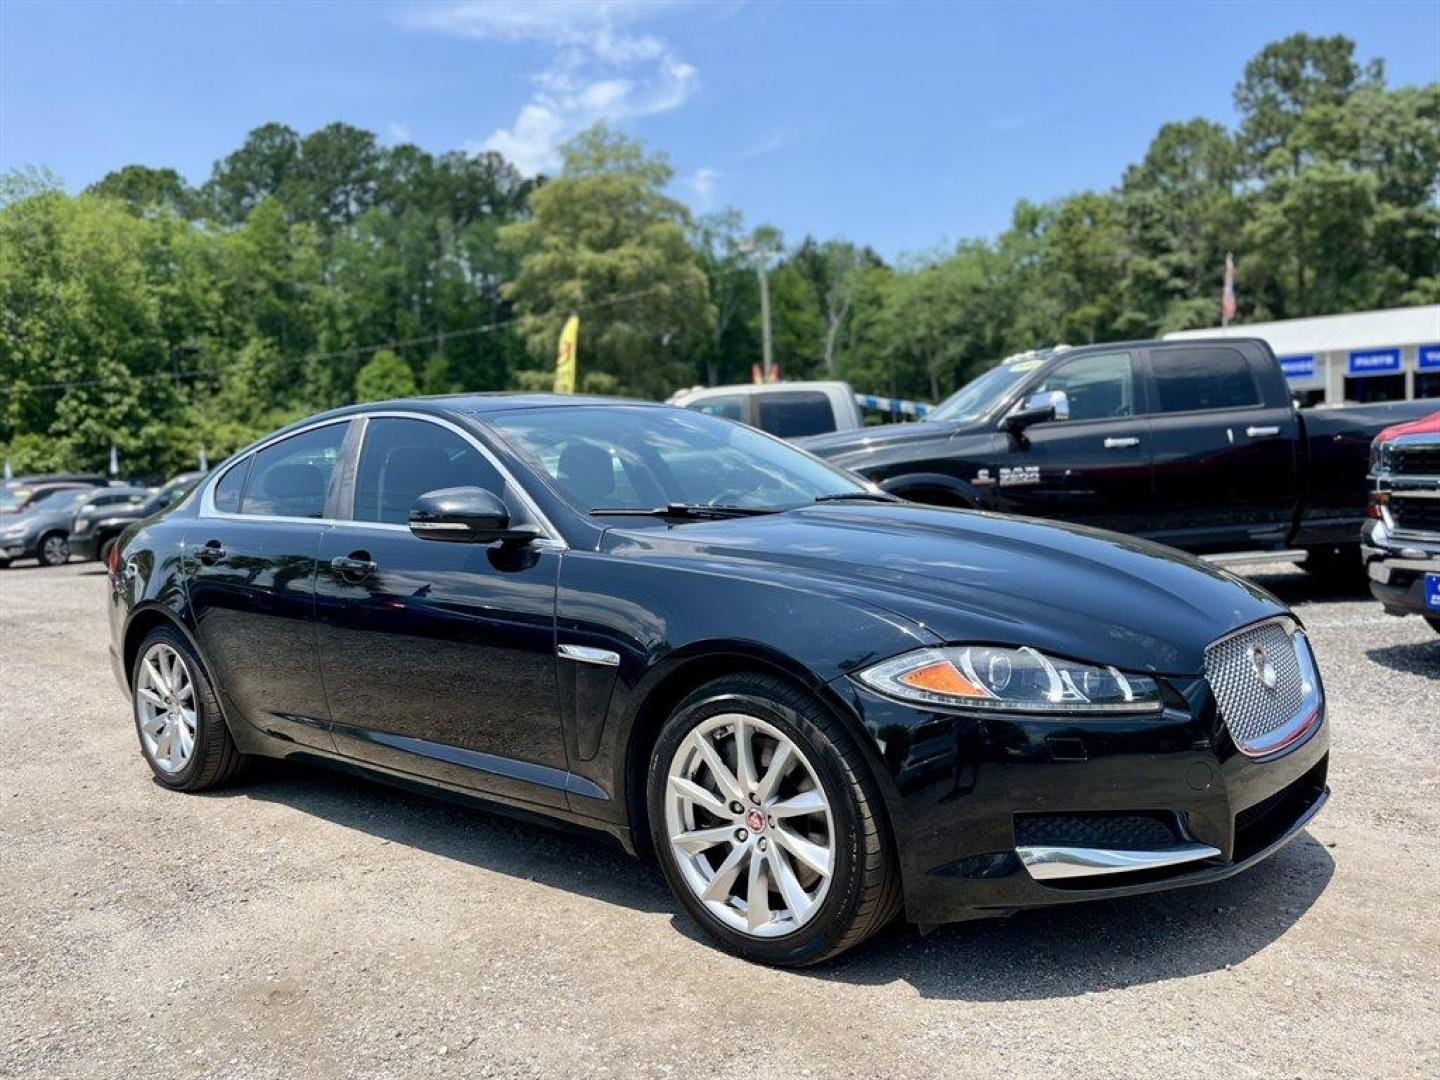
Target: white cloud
(702,186)
(768,145)
(399,131)
(599,67)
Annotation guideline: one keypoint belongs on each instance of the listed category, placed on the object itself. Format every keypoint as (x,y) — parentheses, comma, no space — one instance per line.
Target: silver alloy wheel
(165,706)
(55,550)
(749,825)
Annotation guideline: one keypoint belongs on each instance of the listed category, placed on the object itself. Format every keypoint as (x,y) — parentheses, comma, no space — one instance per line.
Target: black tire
(215,761)
(864,892)
(103,555)
(1339,564)
(1434,621)
(53,549)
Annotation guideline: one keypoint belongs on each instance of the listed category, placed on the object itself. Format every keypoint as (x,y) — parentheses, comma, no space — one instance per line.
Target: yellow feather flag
(565,356)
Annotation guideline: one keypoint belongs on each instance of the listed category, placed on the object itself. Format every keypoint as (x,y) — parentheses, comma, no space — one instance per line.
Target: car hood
(971,576)
(866,440)
(35,519)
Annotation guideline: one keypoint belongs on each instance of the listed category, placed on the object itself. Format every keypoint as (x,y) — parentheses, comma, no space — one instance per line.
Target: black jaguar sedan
(817,705)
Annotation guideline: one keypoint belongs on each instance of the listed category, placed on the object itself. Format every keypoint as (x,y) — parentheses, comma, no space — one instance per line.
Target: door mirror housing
(1038,408)
(466,515)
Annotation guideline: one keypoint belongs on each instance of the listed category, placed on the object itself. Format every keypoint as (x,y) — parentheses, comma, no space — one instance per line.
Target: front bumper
(20,548)
(993,813)
(1397,565)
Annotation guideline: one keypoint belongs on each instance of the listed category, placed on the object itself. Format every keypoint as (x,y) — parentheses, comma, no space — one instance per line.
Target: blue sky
(904,126)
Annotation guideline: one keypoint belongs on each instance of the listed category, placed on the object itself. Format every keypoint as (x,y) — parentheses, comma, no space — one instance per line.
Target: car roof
(477,404)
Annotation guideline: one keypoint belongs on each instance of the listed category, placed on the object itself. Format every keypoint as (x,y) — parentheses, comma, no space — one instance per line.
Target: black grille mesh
(1412,513)
(1131,832)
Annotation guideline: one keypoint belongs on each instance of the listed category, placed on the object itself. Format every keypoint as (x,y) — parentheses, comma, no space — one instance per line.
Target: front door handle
(354,567)
(1118,442)
(208,553)
(1267,432)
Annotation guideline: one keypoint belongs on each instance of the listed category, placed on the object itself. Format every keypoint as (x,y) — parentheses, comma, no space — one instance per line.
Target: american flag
(1227,298)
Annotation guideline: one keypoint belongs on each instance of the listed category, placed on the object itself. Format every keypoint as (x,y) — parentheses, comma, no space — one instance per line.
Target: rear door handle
(1118,442)
(1262,432)
(208,553)
(354,567)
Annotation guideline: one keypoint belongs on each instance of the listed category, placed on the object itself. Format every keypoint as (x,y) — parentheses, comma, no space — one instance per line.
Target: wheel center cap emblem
(1263,668)
(755,820)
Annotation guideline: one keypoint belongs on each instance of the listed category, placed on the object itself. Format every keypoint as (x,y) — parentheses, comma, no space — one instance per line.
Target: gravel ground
(313,924)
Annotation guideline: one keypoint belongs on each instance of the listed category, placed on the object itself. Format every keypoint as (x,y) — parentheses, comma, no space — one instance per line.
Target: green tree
(383,377)
(605,241)
(143,189)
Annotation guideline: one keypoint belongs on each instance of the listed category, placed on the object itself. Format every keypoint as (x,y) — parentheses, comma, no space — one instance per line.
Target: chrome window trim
(207,498)
(553,540)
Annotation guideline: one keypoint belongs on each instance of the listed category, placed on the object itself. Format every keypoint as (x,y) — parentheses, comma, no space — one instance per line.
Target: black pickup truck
(1195,444)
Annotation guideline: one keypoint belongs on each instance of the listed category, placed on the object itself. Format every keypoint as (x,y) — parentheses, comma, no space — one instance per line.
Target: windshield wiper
(868,496)
(682,511)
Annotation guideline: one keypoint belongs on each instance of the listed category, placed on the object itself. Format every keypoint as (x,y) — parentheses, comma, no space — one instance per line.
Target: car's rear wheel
(183,737)
(768,824)
(54,549)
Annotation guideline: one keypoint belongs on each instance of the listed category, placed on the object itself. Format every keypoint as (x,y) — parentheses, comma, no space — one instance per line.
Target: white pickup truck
(793,409)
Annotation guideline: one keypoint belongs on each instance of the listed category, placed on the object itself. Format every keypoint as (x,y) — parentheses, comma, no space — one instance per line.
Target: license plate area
(1432,592)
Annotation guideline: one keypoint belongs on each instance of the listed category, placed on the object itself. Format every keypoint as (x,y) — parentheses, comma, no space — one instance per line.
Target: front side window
(1098,386)
(1188,380)
(402,459)
(632,456)
(796,413)
(290,478)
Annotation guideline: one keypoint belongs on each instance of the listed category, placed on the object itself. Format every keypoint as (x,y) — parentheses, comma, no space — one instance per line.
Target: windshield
(979,396)
(645,457)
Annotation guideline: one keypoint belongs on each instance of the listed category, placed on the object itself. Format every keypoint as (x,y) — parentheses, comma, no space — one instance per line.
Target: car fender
(965,494)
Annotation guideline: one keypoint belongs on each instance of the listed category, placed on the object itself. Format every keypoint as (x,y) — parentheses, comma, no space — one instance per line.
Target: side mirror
(465,515)
(1038,409)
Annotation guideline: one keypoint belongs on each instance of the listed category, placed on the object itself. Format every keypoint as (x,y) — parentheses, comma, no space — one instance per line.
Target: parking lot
(314,924)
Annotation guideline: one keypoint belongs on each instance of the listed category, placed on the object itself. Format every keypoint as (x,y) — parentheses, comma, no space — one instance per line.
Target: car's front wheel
(768,824)
(183,737)
(54,549)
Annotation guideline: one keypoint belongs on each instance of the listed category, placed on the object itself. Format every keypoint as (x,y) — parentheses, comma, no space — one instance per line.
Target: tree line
(310,271)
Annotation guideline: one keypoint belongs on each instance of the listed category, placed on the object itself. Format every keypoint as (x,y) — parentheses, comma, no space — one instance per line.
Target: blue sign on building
(1298,367)
(1429,357)
(1374,362)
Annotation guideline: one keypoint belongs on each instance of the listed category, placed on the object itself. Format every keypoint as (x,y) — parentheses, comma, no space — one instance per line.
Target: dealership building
(1391,355)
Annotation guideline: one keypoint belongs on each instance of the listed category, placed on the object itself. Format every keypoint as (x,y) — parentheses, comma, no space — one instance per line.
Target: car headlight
(1015,680)
(14,532)
(81,524)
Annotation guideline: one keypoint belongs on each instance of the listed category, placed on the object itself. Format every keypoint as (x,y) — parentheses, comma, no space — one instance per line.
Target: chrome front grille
(1265,684)
(1414,458)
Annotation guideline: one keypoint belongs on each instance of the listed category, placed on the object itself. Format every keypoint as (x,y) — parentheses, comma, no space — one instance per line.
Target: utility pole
(760,246)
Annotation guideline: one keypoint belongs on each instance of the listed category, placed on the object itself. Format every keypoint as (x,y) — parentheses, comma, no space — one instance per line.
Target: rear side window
(801,412)
(227,491)
(402,459)
(729,407)
(1187,380)
(291,477)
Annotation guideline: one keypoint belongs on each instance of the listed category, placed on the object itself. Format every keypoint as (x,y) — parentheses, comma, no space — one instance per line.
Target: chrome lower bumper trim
(1049,863)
